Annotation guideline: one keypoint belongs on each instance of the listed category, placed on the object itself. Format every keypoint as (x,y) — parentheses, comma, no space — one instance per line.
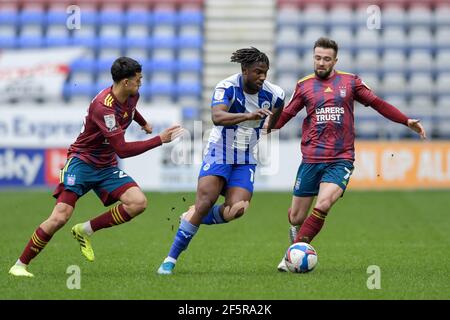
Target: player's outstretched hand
(171,133)
(415,125)
(259,114)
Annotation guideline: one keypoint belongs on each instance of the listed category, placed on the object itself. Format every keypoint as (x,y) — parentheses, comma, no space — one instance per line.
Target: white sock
(20,263)
(87,228)
(170,259)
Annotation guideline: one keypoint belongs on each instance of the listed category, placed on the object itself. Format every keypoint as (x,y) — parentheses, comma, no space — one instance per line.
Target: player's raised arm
(392,113)
(221,117)
(273,119)
(147,127)
(129,149)
(290,111)
(365,95)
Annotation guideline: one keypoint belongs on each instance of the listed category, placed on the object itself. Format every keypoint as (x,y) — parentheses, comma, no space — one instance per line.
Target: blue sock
(184,235)
(214,216)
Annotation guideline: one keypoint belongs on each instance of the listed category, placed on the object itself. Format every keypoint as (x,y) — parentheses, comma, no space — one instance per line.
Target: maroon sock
(114,216)
(311,227)
(38,241)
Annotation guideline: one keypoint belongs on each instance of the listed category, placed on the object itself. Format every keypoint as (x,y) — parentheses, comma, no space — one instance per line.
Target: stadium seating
(156,33)
(406,59)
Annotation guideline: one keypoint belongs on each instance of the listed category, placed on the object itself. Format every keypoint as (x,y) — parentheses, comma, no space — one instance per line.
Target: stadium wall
(34,143)
(379,165)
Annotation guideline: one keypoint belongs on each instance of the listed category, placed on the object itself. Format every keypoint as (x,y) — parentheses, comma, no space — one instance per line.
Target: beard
(323,74)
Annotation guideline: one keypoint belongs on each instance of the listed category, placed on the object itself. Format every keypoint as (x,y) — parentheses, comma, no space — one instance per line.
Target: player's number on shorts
(348,173)
(121,174)
(252,175)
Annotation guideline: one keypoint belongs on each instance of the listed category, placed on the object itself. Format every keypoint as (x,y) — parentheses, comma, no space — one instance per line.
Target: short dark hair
(248,56)
(124,67)
(327,44)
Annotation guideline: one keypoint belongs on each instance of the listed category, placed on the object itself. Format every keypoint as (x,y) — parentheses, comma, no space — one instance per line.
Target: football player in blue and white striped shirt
(240,105)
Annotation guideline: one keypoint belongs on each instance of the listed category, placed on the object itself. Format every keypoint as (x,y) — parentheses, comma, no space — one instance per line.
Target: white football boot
(293,230)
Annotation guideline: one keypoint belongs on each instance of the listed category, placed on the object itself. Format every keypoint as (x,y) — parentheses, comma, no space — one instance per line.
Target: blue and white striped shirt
(236,144)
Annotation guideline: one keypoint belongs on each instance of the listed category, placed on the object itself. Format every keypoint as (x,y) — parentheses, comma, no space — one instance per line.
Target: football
(301,257)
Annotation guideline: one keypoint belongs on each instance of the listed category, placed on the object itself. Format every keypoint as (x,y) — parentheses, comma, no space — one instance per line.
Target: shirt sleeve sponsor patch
(219,94)
(110,122)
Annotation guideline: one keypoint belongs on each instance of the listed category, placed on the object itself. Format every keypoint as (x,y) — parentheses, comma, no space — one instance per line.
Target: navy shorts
(79,177)
(235,175)
(310,175)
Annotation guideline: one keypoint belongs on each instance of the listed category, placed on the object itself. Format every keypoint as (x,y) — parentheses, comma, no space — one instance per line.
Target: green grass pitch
(406,234)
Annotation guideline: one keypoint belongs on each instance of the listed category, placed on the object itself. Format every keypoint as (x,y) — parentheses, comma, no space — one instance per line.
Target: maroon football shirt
(105,117)
(328,130)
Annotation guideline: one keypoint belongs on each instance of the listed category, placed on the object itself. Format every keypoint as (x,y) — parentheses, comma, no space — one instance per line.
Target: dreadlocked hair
(248,56)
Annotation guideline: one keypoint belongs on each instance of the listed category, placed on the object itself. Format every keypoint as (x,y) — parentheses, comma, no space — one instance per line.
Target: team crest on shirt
(71,178)
(265,105)
(342,92)
(110,122)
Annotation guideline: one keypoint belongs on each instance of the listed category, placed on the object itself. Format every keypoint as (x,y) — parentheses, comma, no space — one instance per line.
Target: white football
(301,257)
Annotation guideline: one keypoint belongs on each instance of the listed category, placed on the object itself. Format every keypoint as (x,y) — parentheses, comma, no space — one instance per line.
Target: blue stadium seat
(394,16)
(289,16)
(189,41)
(104,64)
(167,65)
(56,17)
(443,83)
(111,17)
(133,17)
(145,91)
(162,89)
(54,41)
(8,42)
(31,17)
(99,86)
(190,113)
(9,17)
(189,65)
(137,42)
(190,17)
(164,17)
(83,64)
(442,119)
(109,42)
(136,53)
(188,89)
(442,61)
(67,93)
(30,42)
(146,66)
(288,38)
(156,33)
(89,17)
(164,42)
